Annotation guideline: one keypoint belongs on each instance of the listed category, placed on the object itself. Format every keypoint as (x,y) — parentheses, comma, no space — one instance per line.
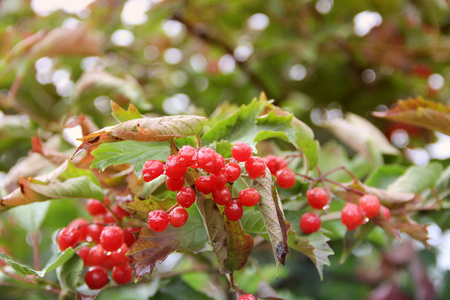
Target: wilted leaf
(417,178)
(359,134)
(129,152)
(420,112)
(139,209)
(123,115)
(240,246)
(415,230)
(146,130)
(314,246)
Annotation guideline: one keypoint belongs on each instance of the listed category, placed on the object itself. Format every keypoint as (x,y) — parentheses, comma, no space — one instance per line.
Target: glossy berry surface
(186,196)
(122,274)
(206,159)
(385,211)
(118,257)
(232,171)
(82,226)
(97,256)
(96,277)
(93,233)
(204,184)
(128,236)
(174,184)
(83,252)
(249,197)
(285,178)
(68,237)
(370,205)
(317,198)
(152,169)
(186,156)
(275,163)
(111,238)
(178,217)
(241,151)
(158,220)
(234,210)
(221,195)
(247,297)
(352,216)
(95,207)
(256,167)
(310,223)
(173,168)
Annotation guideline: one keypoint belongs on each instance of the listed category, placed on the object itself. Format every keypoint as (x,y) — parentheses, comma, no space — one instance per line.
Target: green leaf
(122,115)
(129,152)
(417,178)
(442,186)
(69,273)
(239,246)
(383,176)
(18,267)
(31,216)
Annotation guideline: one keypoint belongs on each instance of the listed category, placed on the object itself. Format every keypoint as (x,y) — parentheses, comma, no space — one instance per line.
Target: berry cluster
(215,177)
(108,244)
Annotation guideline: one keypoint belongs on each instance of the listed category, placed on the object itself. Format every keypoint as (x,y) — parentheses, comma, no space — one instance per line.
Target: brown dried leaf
(240,246)
(420,112)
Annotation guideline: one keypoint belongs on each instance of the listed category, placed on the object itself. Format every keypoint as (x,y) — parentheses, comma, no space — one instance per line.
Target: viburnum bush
(219,191)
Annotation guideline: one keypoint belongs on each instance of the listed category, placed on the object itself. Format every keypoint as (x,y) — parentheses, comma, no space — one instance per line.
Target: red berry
(255,167)
(120,212)
(204,184)
(370,205)
(152,169)
(241,151)
(158,220)
(275,163)
(118,257)
(385,211)
(82,227)
(218,164)
(310,223)
(178,217)
(233,210)
(122,274)
(285,178)
(108,218)
(221,195)
(95,207)
(247,297)
(68,237)
(97,256)
(352,216)
(186,196)
(249,197)
(186,156)
(220,179)
(173,168)
(93,233)
(83,252)
(206,159)
(111,238)
(128,237)
(233,171)
(317,197)
(174,184)
(96,277)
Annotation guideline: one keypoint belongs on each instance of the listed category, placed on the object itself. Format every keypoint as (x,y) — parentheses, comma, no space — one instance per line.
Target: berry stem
(36,250)
(113,215)
(347,188)
(172,208)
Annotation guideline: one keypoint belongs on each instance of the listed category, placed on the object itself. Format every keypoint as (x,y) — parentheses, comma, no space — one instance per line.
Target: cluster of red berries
(352,215)
(108,244)
(279,168)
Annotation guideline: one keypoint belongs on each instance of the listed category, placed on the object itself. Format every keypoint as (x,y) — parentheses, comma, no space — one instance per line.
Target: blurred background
(316,58)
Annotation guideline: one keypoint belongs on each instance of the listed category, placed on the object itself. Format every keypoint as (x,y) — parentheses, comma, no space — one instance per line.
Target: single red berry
(204,184)
(108,218)
(310,223)
(82,227)
(95,207)
(122,274)
(275,163)
(118,257)
(233,171)
(186,156)
(234,210)
(247,297)
(128,236)
(206,159)
(370,205)
(221,195)
(96,277)
(97,256)
(385,211)
(178,217)
(174,184)
(249,197)
(241,151)
(83,252)
(220,179)
(255,167)
(93,233)
(152,169)
(186,196)
(352,216)
(285,178)
(218,164)
(173,168)
(68,237)
(120,212)
(317,198)
(158,220)
(111,238)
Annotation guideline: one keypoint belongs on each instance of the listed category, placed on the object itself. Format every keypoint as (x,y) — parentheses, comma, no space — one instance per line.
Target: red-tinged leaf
(146,130)
(415,230)
(420,112)
(123,115)
(49,153)
(314,246)
(215,227)
(139,209)
(240,246)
